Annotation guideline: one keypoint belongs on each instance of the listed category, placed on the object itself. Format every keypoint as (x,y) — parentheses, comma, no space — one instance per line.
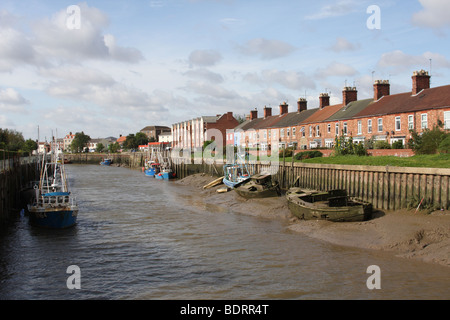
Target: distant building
(67,141)
(193,133)
(153,132)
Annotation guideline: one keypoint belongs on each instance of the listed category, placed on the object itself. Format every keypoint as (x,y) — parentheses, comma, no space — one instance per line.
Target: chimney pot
(349,94)
(324,99)
(283,108)
(267,112)
(253,114)
(420,81)
(301,104)
(381,88)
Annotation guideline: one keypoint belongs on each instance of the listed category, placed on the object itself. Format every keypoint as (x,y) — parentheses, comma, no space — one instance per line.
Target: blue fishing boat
(166,174)
(152,170)
(235,173)
(53,207)
(106,162)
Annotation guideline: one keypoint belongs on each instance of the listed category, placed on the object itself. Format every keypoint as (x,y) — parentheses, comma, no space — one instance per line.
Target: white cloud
(289,79)
(435,14)
(204,58)
(12,101)
(336,69)
(343,44)
(267,49)
(205,74)
(401,61)
(339,8)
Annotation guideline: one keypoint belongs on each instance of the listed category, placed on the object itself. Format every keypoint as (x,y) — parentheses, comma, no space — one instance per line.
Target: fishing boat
(333,205)
(106,162)
(152,169)
(259,185)
(165,174)
(235,173)
(53,206)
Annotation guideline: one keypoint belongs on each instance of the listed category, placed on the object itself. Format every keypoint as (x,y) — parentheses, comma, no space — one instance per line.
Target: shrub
(308,155)
(382,144)
(397,144)
(344,146)
(444,146)
(429,142)
(288,152)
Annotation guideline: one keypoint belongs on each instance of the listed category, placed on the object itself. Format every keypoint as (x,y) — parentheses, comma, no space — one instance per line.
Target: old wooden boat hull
(353,210)
(250,191)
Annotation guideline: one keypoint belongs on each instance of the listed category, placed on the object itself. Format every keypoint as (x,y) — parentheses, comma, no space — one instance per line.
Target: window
(411,122)
(446,119)
(288,130)
(380,125)
(282,133)
(310,131)
(302,130)
(317,131)
(398,125)
(336,126)
(345,128)
(369,126)
(359,127)
(329,128)
(424,121)
(293,131)
(265,135)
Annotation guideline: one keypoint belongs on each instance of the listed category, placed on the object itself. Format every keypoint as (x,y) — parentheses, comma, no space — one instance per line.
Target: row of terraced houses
(384,117)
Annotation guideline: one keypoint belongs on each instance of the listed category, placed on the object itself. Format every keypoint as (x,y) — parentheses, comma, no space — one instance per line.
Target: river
(142,238)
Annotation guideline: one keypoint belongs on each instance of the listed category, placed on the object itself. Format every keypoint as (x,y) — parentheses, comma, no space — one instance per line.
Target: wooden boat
(333,205)
(54,206)
(234,175)
(259,186)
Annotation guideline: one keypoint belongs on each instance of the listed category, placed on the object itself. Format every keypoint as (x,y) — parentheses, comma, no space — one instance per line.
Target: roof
(323,114)
(350,110)
(294,118)
(122,139)
(433,98)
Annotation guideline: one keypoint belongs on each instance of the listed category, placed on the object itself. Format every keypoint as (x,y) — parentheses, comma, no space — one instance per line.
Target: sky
(111,68)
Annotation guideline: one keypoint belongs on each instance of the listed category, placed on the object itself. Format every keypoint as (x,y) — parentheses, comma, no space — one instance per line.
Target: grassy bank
(429,161)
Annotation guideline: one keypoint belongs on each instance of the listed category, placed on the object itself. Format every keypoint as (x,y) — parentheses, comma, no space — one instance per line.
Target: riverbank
(407,234)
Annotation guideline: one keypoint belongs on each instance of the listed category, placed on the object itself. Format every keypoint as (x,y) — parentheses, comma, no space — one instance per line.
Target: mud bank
(405,233)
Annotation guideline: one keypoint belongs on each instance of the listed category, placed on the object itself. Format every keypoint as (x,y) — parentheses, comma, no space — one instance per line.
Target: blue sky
(138,63)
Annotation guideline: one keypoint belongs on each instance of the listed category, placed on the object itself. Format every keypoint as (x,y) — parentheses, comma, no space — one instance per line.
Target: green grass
(428,161)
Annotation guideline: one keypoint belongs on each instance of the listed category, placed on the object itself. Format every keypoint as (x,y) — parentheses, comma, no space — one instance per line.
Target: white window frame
(411,122)
(310,131)
(345,128)
(398,123)
(380,124)
(446,119)
(424,123)
(369,126)
(336,128)
(293,131)
(359,126)
(317,131)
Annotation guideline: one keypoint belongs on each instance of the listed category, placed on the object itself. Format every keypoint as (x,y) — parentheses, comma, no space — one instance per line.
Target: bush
(381,144)
(444,146)
(397,144)
(429,142)
(344,146)
(288,152)
(308,155)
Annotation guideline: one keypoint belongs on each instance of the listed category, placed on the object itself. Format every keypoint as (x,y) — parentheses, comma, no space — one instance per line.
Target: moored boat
(54,206)
(152,169)
(165,174)
(234,175)
(106,162)
(259,185)
(333,205)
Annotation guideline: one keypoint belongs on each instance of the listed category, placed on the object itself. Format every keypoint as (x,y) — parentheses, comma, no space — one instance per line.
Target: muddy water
(141,238)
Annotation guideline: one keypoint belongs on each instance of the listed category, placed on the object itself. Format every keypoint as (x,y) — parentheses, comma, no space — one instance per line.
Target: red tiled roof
(427,99)
(323,114)
(121,139)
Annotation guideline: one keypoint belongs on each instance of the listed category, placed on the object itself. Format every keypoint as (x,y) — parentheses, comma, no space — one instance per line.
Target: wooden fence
(388,188)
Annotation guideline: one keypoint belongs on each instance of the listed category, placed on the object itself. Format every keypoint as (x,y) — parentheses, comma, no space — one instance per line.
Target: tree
(100,147)
(130,142)
(141,139)
(114,147)
(429,141)
(79,142)
(29,146)
(11,140)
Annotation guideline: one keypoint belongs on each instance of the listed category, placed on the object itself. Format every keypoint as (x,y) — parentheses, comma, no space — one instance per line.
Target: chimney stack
(421,80)
(349,94)
(229,116)
(254,114)
(324,99)
(301,104)
(381,88)
(267,112)
(283,108)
